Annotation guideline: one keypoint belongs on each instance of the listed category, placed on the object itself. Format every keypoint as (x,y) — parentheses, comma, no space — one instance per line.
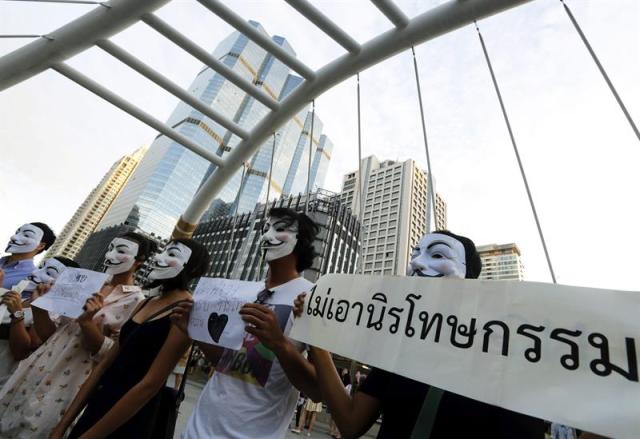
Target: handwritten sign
(559,353)
(214,318)
(70,292)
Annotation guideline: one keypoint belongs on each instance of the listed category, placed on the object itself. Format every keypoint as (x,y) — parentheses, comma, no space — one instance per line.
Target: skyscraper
(84,221)
(501,262)
(169,176)
(395,212)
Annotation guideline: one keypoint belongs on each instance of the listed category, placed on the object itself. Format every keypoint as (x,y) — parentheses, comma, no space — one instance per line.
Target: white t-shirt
(249,395)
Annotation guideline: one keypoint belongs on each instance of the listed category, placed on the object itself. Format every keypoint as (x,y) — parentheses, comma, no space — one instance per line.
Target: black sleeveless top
(139,346)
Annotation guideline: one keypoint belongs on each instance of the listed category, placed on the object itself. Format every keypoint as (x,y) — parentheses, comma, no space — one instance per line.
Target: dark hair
(48,237)
(67,262)
(195,267)
(473,261)
(307,231)
(146,247)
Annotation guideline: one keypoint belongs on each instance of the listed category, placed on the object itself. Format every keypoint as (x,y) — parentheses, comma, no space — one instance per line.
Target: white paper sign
(214,318)
(70,292)
(559,353)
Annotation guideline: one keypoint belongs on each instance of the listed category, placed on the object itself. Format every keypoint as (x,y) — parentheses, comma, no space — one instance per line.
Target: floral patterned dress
(35,397)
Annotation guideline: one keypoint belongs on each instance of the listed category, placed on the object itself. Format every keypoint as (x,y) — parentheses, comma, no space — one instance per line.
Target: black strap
(427,416)
(183,382)
(157,313)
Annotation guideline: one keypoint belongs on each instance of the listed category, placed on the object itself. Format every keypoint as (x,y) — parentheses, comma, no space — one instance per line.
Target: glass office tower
(169,175)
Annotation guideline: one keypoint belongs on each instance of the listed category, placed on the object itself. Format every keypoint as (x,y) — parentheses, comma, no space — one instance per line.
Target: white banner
(559,353)
(70,292)
(214,318)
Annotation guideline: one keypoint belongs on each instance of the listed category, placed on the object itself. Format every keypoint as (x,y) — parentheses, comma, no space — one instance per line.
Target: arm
(172,349)
(92,337)
(42,323)
(211,352)
(87,387)
(19,339)
(263,323)
(353,416)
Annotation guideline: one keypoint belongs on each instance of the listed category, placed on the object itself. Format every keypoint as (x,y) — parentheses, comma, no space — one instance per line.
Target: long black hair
(473,261)
(195,267)
(307,231)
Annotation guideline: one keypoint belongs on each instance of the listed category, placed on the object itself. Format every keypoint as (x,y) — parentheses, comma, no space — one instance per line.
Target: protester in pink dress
(34,398)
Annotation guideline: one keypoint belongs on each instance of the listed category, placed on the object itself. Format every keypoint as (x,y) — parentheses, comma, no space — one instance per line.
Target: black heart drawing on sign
(216,325)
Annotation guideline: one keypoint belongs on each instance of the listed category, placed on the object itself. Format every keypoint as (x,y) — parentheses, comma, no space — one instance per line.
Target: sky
(581,157)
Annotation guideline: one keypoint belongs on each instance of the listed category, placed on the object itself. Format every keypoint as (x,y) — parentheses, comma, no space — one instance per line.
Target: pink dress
(35,397)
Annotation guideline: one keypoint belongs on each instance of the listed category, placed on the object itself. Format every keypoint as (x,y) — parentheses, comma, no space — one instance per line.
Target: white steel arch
(95,27)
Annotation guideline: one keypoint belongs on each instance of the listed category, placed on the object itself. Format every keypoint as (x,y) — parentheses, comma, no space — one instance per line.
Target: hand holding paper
(215,317)
(69,294)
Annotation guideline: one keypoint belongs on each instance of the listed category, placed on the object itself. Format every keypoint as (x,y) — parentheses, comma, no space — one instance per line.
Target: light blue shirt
(16,271)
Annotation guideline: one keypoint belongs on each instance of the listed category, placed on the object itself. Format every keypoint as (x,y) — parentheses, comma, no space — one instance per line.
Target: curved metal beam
(71,39)
(431,24)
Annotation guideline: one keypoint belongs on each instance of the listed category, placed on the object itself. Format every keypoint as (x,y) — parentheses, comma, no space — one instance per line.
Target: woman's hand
(298,305)
(91,307)
(13,301)
(40,290)
(180,315)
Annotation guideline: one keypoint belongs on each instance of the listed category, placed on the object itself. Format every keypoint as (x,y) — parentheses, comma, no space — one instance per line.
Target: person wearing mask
(29,240)
(253,392)
(22,338)
(400,399)
(37,393)
(120,397)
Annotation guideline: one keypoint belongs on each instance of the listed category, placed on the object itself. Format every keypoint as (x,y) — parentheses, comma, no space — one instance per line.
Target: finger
(254,312)
(259,306)
(251,320)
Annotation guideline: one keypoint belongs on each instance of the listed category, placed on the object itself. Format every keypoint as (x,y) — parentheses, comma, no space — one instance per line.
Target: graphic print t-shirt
(249,395)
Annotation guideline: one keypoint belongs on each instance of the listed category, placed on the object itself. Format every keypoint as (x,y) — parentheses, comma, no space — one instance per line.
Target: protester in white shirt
(253,392)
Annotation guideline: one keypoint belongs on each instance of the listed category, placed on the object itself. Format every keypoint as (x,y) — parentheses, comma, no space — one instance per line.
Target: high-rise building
(234,241)
(169,175)
(501,262)
(86,218)
(395,214)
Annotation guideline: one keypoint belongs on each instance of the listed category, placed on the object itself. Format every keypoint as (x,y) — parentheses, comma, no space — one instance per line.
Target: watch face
(18,315)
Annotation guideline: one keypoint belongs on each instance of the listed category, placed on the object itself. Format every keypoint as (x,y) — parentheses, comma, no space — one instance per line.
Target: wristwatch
(18,315)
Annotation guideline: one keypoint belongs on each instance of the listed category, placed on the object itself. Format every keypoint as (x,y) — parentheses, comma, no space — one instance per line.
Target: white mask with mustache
(170,262)
(47,273)
(26,239)
(438,255)
(120,256)
(279,239)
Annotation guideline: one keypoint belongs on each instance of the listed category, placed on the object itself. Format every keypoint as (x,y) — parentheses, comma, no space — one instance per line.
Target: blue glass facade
(169,175)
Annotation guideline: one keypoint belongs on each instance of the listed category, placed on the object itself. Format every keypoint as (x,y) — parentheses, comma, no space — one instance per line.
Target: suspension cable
(360,180)
(266,202)
(515,149)
(432,189)
(235,220)
(308,191)
(601,68)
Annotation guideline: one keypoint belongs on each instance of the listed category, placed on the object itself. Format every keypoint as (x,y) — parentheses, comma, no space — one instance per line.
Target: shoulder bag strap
(428,413)
(183,383)
(163,310)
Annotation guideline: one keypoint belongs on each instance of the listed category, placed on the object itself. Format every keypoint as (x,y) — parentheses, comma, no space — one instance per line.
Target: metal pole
(432,190)
(515,149)
(360,181)
(308,191)
(602,70)
(235,219)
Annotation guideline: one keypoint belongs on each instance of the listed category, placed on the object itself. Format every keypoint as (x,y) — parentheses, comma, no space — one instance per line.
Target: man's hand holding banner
(560,353)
